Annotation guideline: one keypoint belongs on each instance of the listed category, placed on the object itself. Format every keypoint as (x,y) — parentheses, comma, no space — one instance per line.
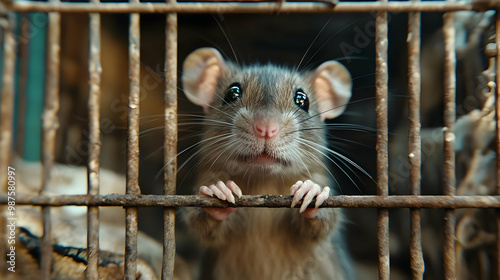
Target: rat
(264,134)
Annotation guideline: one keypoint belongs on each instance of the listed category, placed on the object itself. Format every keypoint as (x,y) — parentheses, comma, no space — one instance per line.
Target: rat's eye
(233,93)
(300,99)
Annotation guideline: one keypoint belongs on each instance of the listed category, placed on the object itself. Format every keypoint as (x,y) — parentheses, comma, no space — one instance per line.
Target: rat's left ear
(333,87)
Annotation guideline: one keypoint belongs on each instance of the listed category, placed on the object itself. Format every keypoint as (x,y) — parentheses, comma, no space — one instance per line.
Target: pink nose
(266,128)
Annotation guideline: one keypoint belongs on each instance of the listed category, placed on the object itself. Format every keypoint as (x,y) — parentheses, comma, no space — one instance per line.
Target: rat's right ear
(200,74)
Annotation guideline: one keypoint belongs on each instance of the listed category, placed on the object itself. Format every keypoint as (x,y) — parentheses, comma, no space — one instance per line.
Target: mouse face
(264,119)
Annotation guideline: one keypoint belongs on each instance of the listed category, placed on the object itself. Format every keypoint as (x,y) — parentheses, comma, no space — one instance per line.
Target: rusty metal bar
(261,7)
(95,142)
(414,141)
(449,142)
(6,118)
(269,201)
(381,84)
(23,83)
(50,124)
(133,145)
(497,100)
(170,156)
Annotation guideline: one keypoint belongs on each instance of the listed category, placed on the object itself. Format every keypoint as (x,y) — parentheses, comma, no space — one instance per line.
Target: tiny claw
(320,198)
(204,190)
(295,187)
(217,192)
(234,188)
(313,191)
(302,189)
(226,191)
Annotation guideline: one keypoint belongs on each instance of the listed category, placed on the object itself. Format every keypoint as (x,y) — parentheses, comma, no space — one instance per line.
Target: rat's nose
(266,127)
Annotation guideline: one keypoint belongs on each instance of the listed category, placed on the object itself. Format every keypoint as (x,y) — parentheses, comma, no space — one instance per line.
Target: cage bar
(414,141)
(497,100)
(133,146)
(381,81)
(449,142)
(7,113)
(95,142)
(23,55)
(270,201)
(170,155)
(50,125)
(259,7)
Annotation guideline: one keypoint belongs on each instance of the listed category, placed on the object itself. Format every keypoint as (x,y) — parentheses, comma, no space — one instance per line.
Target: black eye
(233,93)
(300,99)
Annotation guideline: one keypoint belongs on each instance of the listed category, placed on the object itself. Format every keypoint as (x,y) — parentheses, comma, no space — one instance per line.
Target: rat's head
(264,119)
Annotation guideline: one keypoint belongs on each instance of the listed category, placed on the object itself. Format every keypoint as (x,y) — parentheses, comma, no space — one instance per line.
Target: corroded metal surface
(50,124)
(343,7)
(170,144)
(381,85)
(133,146)
(497,100)
(449,180)
(95,142)
(414,141)
(361,201)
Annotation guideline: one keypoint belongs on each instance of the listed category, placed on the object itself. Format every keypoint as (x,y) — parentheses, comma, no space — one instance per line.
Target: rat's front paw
(310,190)
(224,192)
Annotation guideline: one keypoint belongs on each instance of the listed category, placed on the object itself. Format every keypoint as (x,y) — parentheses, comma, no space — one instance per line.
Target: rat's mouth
(263,159)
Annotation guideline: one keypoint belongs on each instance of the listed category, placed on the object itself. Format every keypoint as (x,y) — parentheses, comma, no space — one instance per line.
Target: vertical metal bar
(414,141)
(95,143)
(23,82)
(6,118)
(381,85)
(50,124)
(497,103)
(170,156)
(449,141)
(133,145)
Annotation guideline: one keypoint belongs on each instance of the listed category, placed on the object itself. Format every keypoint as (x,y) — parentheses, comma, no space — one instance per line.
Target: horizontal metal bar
(260,7)
(270,201)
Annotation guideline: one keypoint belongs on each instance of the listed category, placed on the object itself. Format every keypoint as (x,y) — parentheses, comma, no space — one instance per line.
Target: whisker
(329,39)
(340,128)
(352,58)
(309,48)
(349,103)
(306,142)
(363,76)
(313,156)
(227,38)
(221,138)
(347,160)
(197,164)
(213,107)
(228,146)
(334,138)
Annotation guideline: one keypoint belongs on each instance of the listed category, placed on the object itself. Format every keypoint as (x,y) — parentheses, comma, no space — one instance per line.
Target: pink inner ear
(207,85)
(332,83)
(202,70)
(326,98)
